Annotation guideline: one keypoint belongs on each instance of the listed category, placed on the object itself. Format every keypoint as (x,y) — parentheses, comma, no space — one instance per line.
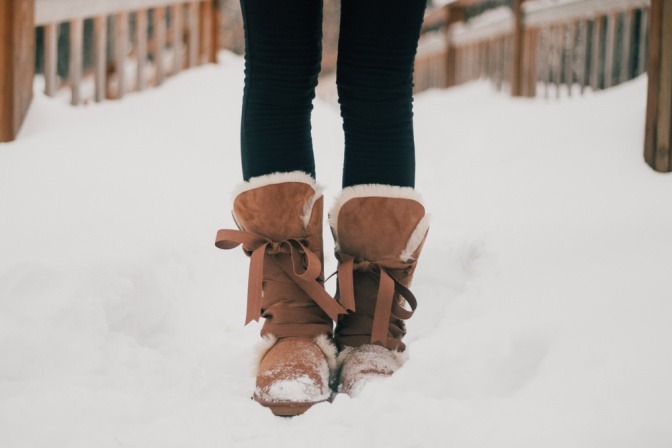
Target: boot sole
(288,408)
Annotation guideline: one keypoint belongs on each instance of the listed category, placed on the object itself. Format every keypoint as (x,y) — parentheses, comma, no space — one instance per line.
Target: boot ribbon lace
(387,273)
(302,266)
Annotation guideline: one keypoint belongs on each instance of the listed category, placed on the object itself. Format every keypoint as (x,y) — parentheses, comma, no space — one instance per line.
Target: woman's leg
(379,229)
(282,61)
(376,51)
(278,211)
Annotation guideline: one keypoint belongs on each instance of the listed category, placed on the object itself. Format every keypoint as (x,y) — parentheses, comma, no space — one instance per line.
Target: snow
(544,287)
(300,389)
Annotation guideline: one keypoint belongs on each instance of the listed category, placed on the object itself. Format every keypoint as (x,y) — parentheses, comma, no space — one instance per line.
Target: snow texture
(545,300)
(300,389)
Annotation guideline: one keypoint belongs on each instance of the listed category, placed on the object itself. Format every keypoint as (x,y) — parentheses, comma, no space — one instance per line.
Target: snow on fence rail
(183,34)
(567,44)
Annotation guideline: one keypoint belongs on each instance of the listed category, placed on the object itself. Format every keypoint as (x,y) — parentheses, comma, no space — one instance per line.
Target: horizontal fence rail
(132,44)
(51,11)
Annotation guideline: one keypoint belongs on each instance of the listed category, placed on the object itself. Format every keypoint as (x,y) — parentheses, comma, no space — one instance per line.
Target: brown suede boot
(379,232)
(280,222)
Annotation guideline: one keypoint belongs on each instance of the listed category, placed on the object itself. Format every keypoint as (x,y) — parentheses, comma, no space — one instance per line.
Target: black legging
(376,51)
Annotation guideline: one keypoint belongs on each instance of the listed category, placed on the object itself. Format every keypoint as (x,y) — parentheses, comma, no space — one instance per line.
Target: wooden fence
(569,45)
(565,44)
(128,54)
(183,35)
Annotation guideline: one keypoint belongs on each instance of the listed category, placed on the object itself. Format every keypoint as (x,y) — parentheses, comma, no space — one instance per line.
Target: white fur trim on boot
(416,239)
(330,351)
(284,177)
(263,346)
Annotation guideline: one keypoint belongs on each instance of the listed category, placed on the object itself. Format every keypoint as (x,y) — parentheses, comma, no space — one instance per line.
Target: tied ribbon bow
(388,288)
(303,267)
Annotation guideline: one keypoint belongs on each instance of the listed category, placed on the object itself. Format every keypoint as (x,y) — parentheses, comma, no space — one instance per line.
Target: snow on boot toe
(295,371)
(359,365)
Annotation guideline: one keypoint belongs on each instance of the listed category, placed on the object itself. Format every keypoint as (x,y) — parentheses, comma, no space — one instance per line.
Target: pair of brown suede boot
(379,231)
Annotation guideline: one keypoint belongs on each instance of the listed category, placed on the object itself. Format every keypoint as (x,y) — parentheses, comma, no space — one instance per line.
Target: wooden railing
(569,45)
(565,44)
(183,34)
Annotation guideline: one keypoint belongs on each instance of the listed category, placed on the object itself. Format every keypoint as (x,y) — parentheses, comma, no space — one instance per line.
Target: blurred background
(231,31)
(99,50)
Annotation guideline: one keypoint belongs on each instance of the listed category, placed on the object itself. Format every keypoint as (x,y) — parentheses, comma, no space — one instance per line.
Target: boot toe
(365,363)
(293,375)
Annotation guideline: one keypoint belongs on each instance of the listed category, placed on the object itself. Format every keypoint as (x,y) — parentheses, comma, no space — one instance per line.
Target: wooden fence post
(141,44)
(100,56)
(530,50)
(584,73)
(518,49)
(120,50)
(595,61)
(216,25)
(626,50)
(160,43)
(453,14)
(658,137)
(193,27)
(568,45)
(50,58)
(610,50)
(75,67)
(17,64)
(177,30)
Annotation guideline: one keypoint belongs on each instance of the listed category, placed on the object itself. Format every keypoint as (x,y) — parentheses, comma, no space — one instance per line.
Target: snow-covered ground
(545,289)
